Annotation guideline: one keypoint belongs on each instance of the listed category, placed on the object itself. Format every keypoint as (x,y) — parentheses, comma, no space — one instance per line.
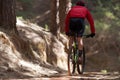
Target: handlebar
(87,36)
(84,35)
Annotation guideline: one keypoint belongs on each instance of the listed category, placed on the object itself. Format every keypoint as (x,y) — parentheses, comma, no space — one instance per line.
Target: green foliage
(106,14)
(25,14)
(46,27)
(26,11)
(104,71)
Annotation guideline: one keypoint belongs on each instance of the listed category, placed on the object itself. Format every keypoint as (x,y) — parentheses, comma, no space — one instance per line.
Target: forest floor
(64,76)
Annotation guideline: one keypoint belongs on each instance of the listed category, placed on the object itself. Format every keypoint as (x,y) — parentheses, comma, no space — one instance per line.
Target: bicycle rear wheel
(71,62)
(81,65)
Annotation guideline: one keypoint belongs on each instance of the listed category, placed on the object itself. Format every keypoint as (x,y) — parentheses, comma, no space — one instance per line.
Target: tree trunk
(68,4)
(8,25)
(7,15)
(59,8)
(64,7)
(0,12)
(62,10)
(53,19)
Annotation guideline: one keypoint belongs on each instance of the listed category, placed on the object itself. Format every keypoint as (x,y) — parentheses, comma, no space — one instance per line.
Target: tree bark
(64,7)
(59,8)
(62,10)
(53,19)
(68,4)
(7,15)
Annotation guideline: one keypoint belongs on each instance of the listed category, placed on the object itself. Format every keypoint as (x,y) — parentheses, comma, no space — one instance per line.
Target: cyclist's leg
(70,43)
(80,40)
(80,43)
(77,26)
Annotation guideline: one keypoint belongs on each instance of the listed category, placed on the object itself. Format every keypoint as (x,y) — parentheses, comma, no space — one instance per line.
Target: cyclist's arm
(91,22)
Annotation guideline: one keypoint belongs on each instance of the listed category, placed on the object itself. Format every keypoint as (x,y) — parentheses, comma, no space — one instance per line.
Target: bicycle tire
(71,63)
(81,66)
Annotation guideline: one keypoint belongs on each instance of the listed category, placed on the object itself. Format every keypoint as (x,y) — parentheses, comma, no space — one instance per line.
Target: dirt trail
(85,76)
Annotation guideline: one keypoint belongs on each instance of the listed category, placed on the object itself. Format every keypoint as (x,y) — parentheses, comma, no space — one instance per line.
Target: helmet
(80,3)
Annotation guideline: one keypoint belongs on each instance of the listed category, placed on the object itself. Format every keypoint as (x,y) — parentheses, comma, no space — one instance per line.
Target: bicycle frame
(75,56)
(76,53)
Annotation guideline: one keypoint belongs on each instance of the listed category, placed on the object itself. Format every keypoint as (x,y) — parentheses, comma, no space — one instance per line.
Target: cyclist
(75,23)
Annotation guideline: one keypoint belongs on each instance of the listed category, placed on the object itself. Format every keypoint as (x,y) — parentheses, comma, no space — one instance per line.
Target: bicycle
(73,57)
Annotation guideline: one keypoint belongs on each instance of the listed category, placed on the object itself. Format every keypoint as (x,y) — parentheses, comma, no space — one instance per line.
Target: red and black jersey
(79,12)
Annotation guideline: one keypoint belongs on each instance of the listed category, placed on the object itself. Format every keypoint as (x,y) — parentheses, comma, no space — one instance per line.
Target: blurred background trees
(105,12)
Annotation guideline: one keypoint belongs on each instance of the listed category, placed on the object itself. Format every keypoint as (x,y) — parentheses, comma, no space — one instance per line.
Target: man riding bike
(75,23)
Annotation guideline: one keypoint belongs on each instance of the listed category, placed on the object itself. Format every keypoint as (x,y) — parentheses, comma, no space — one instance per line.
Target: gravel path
(85,76)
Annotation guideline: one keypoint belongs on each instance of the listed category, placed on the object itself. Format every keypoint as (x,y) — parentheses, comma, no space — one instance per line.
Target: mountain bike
(73,57)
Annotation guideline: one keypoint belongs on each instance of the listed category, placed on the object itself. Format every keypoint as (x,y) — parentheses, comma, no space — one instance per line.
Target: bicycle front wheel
(81,65)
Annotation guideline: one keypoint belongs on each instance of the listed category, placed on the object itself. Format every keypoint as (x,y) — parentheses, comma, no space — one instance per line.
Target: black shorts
(76,25)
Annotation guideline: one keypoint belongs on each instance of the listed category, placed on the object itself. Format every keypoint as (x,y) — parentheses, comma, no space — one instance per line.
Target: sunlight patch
(36,68)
